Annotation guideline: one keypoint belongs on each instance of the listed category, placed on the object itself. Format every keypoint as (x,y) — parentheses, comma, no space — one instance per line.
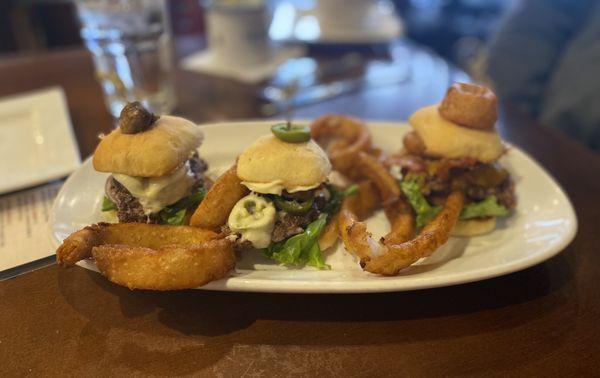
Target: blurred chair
(545,60)
(36,25)
(29,25)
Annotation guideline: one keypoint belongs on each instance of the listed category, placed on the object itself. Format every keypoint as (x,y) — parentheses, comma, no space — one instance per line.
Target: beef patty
(129,208)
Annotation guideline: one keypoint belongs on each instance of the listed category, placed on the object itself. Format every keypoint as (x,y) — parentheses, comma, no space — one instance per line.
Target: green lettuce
(337,197)
(302,248)
(108,205)
(423,210)
(175,214)
(489,207)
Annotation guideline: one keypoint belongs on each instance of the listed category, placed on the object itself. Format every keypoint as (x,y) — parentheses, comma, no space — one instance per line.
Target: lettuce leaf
(315,257)
(489,207)
(423,210)
(337,197)
(302,248)
(108,205)
(175,214)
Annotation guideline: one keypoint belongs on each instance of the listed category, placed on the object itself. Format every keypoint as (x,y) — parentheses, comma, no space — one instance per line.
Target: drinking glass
(130,42)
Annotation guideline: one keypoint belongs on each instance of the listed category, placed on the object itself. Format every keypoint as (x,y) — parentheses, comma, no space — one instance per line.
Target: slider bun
(474,227)
(292,164)
(443,138)
(152,153)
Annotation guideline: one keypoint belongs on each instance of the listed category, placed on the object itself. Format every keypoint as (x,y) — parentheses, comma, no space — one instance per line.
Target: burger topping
(293,206)
(128,207)
(425,212)
(301,248)
(275,187)
(134,118)
(253,217)
(489,207)
(291,133)
(155,193)
(414,144)
(470,105)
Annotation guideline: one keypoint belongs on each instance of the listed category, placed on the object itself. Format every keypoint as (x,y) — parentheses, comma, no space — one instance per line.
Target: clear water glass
(130,42)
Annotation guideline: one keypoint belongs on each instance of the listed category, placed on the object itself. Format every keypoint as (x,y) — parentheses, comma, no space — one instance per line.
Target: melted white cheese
(155,193)
(253,217)
(275,187)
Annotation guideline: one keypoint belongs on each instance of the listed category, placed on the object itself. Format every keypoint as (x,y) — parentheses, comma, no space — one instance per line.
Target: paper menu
(25,225)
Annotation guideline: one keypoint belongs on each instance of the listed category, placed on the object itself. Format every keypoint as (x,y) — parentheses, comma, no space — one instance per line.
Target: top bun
(153,153)
(443,138)
(273,165)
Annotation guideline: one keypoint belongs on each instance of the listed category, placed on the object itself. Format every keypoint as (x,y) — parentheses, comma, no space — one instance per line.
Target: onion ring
(213,211)
(470,105)
(150,256)
(379,174)
(342,138)
(414,144)
(396,250)
(433,235)
(365,201)
(394,253)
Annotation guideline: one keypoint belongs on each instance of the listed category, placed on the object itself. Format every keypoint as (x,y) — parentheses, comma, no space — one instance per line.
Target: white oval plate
(543,225)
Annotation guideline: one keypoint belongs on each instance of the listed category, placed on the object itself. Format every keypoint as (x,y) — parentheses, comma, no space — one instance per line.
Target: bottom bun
(474,227)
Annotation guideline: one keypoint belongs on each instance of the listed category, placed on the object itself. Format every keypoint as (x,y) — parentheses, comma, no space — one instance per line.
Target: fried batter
(342,138)
(172,267)
(219,201)
(150,256)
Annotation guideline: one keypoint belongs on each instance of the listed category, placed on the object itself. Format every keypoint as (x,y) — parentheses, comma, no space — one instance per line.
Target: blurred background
(540,56)
(459,30)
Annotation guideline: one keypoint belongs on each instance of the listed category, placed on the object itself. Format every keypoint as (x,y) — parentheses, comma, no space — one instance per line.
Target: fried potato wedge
(172,267)
(213,211)
(150,256)
(78,245)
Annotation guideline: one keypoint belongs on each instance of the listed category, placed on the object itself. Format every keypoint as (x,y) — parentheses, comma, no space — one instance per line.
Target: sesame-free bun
(152,153)
(443,138)
(474,227)
(293,165)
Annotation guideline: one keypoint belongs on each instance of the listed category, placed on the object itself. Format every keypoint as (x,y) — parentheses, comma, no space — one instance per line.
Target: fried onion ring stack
(470,105)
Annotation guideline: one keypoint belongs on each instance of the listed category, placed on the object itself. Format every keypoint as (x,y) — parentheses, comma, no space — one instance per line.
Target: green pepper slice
(291,133)
(293,206)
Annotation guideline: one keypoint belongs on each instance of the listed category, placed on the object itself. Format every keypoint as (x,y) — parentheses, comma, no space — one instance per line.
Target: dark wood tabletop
(544,320)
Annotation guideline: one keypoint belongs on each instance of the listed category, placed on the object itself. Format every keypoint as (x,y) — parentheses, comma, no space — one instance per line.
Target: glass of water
(130,42)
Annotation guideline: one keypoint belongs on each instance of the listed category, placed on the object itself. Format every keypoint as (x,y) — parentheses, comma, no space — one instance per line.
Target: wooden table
(540,321)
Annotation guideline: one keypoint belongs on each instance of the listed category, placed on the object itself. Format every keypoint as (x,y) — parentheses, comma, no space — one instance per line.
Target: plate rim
(235,283)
